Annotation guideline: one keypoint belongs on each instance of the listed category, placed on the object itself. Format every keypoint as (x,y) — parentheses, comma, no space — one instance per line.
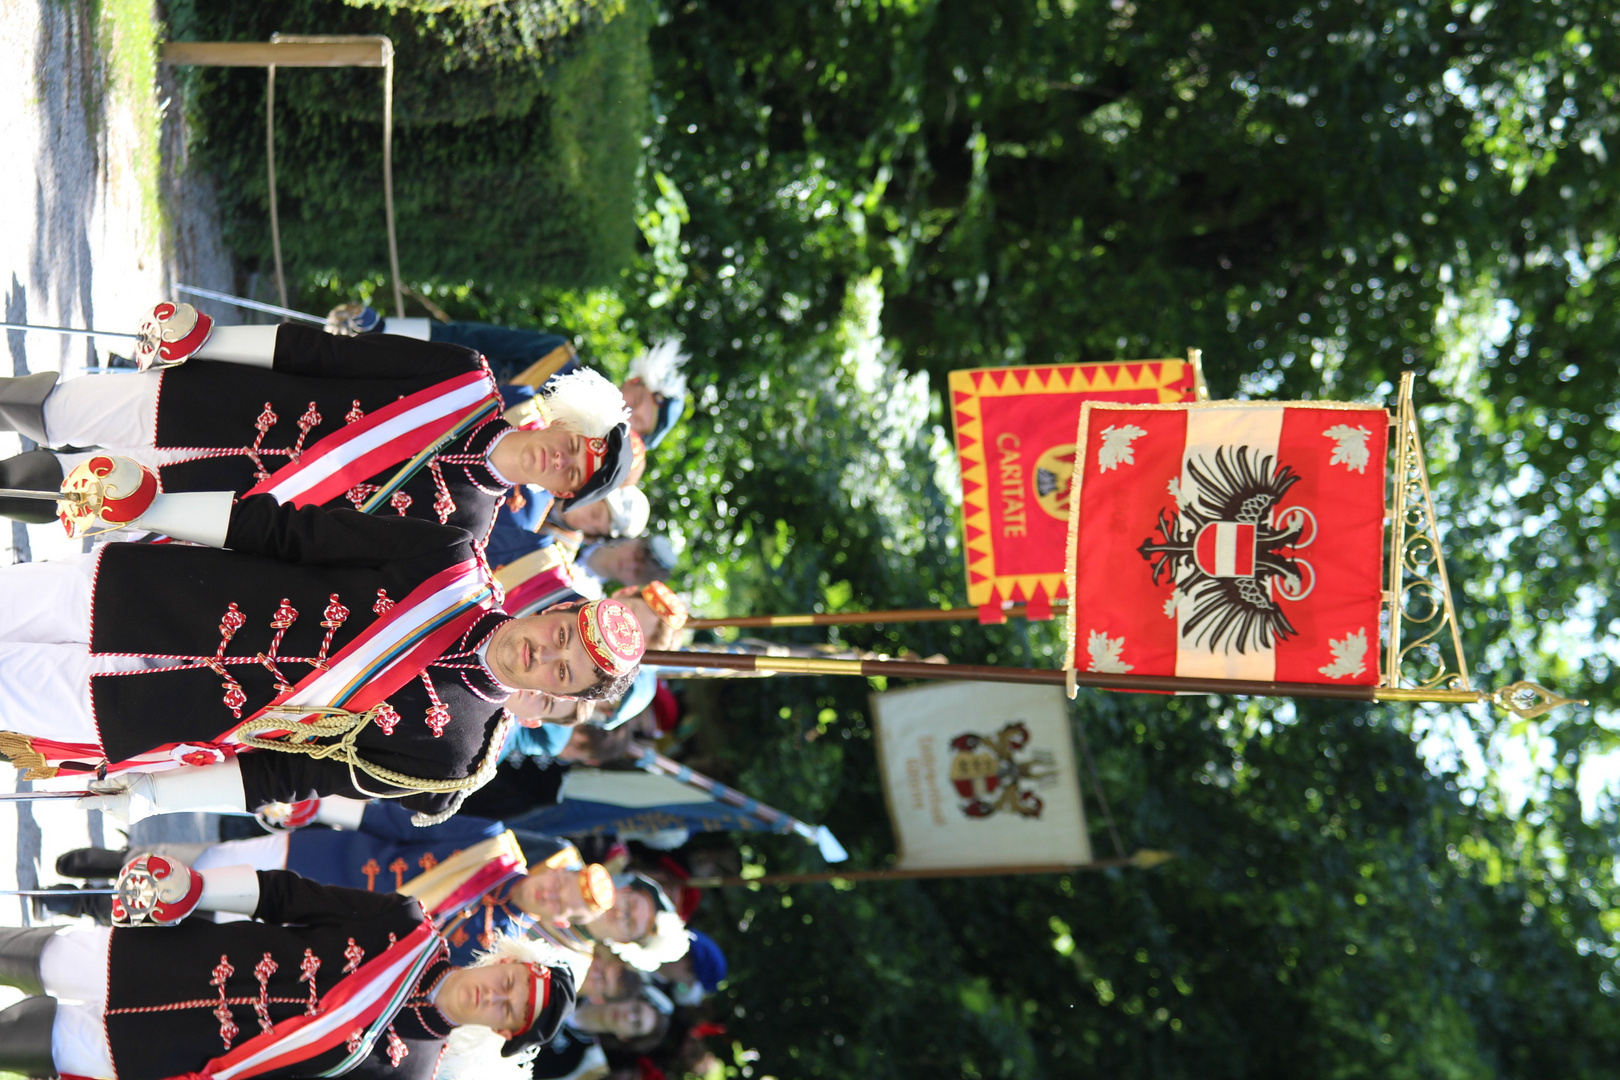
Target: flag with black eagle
(1228,540)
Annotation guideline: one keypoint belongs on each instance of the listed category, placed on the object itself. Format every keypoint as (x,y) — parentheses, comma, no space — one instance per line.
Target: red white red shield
(1228,540)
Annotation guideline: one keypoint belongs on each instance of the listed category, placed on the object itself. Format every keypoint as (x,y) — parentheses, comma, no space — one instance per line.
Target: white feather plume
(660,368)
(474,1051)
(586,402)
(667,942)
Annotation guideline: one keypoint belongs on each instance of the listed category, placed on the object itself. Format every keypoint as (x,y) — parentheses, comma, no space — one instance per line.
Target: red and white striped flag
(1228,540)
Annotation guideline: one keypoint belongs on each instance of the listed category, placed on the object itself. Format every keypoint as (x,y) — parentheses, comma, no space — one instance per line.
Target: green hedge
(517,138)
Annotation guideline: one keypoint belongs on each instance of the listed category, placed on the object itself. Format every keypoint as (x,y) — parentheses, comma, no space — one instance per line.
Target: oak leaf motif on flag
(1116,446)
(1105,654)
(1349,656)
(1351,446)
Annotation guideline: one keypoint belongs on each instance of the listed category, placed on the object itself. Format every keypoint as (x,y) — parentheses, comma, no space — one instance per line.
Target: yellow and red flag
(1228,540)
(1015,439)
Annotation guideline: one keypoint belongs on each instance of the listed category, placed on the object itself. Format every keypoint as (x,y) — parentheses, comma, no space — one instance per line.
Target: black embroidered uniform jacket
(246,422)
(296,586)
(179,997)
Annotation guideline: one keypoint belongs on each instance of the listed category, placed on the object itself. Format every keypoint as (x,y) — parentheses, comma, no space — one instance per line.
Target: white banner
(981,775)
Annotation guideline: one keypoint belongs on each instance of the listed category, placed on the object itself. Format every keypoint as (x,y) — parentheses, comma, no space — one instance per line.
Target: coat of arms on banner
(1000,773)
(981,774)
(1229,540)
(1015,439)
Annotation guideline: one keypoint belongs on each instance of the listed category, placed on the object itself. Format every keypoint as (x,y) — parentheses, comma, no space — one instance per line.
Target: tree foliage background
(837,201)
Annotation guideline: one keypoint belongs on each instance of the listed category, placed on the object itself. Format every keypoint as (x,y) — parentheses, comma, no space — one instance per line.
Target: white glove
(128,797)
(131,796)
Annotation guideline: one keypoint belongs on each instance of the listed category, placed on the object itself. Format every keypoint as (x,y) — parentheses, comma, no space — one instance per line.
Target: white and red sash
(409,431)
(536,581)
(390,652)
(353,1015)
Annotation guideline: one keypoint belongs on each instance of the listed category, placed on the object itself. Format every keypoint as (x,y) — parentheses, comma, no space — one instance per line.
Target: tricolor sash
(466,876)
(353,1014)
(394,649)
(410,430)
(390,652)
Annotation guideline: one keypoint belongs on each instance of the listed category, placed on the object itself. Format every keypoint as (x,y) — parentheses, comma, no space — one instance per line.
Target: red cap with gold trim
(611,635)
(596,888)
(669,608)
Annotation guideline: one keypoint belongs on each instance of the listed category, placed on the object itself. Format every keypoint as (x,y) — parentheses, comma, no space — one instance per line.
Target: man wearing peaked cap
(323,652)
(655,391)
(389,425)
(326,982)
(475,878)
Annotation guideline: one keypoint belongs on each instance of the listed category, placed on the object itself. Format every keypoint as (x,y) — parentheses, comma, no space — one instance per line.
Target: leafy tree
(844,199)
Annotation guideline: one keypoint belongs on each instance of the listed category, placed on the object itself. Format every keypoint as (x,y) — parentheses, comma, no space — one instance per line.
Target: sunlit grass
(126,33)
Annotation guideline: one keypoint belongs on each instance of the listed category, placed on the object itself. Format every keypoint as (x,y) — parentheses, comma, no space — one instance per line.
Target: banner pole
(1144,859)
(859,618)
(1524,699)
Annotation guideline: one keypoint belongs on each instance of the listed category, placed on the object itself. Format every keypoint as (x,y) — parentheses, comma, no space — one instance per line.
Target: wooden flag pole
(1521,698)
(1144,859)
(859,618)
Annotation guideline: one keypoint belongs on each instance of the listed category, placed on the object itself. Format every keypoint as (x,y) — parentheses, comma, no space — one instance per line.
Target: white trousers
(117,411)
(73,968)
(114,412)
(45,661)
(259,852)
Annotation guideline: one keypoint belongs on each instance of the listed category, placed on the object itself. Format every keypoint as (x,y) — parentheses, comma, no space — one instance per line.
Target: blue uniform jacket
(387,851)
(508,351)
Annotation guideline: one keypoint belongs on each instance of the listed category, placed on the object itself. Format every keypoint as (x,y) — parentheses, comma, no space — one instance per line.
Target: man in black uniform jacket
(407,428)
(328,981)
(139,657)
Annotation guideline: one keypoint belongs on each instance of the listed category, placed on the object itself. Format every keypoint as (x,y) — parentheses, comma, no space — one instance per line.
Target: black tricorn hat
(614,467)
(549,1018)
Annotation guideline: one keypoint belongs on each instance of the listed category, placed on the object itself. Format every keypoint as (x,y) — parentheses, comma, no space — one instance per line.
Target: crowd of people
(366,594)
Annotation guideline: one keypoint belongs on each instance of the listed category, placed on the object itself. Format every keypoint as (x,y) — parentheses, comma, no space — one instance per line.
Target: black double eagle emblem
(1232,553)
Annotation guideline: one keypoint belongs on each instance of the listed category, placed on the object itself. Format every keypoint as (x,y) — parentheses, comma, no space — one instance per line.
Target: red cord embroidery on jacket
(228,1030)
(263,423)
(355,413)
(352,952)
(332,618)
(309,420)
(400,501)
(229,623)
(383,605)
(396,1048)
(443,504)
(398,867)
(284,617)
(262,971)
(438,714)
(386,718)
(309,966)
(360,493)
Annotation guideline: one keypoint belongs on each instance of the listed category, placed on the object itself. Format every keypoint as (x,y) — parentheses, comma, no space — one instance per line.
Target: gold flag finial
(1529,700)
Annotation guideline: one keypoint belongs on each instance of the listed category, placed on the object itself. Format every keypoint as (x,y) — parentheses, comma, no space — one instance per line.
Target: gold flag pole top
(1424,658)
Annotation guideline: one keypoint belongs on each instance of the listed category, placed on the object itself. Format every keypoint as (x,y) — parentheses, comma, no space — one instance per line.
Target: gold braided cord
(344,726)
